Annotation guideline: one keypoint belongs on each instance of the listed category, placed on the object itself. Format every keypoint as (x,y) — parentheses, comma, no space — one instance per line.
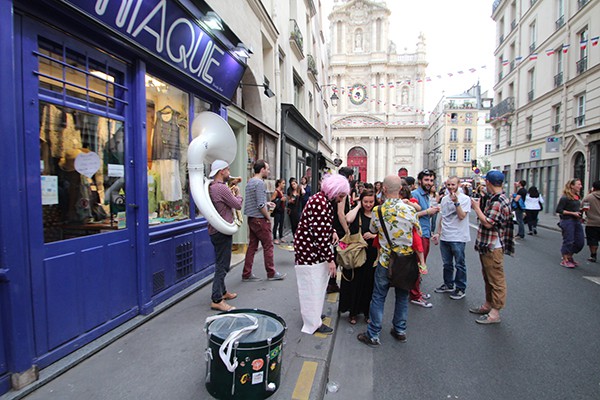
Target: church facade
(378,123)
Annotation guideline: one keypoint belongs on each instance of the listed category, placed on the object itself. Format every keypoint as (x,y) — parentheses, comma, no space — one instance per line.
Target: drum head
(270,326)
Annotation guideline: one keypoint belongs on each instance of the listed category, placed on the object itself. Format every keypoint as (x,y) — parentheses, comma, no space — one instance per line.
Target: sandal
(229,296)
(352,320)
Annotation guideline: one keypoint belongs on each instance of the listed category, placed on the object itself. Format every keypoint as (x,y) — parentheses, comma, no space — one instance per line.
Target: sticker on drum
(258,364)
(257,377)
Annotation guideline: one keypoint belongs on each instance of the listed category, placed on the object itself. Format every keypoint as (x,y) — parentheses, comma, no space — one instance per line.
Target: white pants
(312,284)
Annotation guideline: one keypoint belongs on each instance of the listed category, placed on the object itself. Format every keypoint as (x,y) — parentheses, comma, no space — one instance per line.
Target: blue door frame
(85,286)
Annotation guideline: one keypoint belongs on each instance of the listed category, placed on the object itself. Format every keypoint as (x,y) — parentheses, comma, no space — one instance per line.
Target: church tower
(378,123)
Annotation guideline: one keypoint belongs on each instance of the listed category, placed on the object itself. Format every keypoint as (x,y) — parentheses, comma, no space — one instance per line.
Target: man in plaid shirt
(494,239)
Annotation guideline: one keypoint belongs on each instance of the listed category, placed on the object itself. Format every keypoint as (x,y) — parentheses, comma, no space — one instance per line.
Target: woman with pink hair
(313,245)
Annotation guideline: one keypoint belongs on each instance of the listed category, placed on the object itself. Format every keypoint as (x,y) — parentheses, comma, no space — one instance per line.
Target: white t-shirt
(533,203)
(453,228)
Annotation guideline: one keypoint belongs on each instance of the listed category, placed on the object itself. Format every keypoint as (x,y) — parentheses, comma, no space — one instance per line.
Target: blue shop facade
(97,100)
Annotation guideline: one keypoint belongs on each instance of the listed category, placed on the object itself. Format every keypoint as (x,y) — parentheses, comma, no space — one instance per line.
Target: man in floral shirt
(399,219)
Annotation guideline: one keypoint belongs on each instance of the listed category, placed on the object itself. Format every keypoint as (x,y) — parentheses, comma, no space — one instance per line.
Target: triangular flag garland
(409,82)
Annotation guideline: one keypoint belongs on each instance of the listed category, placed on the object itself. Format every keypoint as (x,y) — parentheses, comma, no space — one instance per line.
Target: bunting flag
(549,52)
(533,56)
(518,60)
(583,44)
(565,48)
(595,41)
(504,63)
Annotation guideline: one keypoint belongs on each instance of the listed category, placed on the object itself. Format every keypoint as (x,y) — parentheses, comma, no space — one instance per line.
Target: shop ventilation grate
(184,263)
(158,281)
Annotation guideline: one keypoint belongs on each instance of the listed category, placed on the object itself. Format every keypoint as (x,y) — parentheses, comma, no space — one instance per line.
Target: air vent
(158,282)
(184,263)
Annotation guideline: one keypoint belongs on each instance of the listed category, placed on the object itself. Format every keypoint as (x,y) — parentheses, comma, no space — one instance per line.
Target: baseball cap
(216,166)
(495,177)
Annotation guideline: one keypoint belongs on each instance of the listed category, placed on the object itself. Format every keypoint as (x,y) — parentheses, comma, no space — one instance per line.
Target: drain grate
(158,281)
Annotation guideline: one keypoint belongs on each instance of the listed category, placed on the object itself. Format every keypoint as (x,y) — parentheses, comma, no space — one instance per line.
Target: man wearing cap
(494,239)
(224,201)
(259,222)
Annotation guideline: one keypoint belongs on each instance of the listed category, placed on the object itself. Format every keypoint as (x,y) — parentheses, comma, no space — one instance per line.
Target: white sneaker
(422,303)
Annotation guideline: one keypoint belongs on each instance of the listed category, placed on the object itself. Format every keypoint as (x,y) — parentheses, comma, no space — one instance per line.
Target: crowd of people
(399,218)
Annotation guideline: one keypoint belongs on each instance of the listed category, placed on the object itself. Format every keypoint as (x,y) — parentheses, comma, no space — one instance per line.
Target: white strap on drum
(233,337)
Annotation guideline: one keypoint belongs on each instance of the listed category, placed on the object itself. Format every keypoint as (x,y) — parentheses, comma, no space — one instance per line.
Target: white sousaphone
(213,140)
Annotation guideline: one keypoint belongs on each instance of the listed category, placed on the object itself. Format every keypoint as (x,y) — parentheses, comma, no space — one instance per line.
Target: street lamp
(334,99)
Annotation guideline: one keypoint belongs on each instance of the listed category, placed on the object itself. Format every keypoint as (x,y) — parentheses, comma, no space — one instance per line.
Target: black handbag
(403,270)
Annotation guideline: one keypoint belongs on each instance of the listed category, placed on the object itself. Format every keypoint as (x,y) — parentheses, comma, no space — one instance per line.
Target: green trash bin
(244,354)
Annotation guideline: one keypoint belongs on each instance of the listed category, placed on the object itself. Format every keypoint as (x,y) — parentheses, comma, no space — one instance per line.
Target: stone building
(378,121)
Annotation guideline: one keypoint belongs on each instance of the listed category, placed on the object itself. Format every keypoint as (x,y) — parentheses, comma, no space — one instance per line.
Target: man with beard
(426,179)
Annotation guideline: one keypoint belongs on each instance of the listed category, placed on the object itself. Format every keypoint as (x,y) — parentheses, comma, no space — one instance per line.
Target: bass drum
(258,356)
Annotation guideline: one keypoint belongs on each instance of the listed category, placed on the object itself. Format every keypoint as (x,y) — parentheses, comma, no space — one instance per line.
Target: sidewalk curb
(64,364)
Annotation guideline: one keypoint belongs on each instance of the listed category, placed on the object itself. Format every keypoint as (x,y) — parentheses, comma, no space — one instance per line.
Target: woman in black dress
(357,284)
(294,203)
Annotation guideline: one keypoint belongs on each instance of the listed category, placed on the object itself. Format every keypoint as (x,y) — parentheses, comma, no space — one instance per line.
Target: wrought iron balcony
(580,121)
(296,35)
(512,65)
(556,128)
(582,3)
(532,48)
(500,76)
(506,106)
(312,65)
(558,79)
(532,2)
(560,22)
(513,25)
(501,39)
(530,95)
(582,65)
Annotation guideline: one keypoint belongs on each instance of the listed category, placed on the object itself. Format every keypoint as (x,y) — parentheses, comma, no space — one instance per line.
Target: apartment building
(546,116)
(459,137)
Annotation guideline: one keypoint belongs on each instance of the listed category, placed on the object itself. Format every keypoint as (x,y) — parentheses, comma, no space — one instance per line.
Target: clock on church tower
(358,94)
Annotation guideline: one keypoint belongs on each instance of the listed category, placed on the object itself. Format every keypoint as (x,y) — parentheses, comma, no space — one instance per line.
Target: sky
(459,35)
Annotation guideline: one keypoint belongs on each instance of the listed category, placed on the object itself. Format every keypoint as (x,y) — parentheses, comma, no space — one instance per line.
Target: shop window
(82,141)
(167,144)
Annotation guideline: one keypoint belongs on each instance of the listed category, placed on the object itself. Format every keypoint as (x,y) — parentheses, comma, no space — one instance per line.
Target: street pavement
(547,346)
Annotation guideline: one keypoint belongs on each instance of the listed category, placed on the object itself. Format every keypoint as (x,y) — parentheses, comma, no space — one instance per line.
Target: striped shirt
(256,198)
(224,202)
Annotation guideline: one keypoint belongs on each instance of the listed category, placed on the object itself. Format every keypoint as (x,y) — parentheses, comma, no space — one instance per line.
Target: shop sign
(552,144)
(166,29)
(535,154)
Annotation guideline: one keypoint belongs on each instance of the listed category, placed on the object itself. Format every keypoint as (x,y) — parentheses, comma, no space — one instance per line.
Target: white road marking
(595,279)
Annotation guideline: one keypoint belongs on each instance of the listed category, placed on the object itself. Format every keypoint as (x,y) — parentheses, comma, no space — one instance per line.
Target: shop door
(81,222)
(357,157)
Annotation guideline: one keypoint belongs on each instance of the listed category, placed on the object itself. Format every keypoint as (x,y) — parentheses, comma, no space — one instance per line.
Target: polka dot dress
(312,241)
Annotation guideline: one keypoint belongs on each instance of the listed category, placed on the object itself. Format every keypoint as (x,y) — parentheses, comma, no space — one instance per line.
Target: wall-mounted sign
(535,154)
(552,144)
(167,30)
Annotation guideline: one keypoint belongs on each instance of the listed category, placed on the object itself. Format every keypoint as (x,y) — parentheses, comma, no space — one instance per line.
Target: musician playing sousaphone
(227,200)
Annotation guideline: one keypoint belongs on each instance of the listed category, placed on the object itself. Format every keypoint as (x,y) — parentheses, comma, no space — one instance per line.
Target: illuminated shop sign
(165,29)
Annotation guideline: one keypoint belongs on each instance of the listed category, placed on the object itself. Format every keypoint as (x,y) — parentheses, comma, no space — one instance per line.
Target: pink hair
(334,185)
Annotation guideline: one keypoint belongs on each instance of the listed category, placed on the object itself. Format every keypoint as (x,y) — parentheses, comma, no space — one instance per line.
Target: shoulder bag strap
(387,236)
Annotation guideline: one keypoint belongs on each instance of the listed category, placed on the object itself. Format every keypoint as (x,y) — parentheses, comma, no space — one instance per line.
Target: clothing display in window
(166,153)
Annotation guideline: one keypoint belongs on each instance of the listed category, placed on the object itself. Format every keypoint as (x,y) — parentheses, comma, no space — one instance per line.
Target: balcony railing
(582,65)
(513,25)
(582,3)
(528,136)
(311,65)
(506,106)
(558,79)
(560,22)
(500,76)
(296,35)
(556,128)
(580,121)
(512,65)
(501,39)
(531,48)
(532,2)
(530,95)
